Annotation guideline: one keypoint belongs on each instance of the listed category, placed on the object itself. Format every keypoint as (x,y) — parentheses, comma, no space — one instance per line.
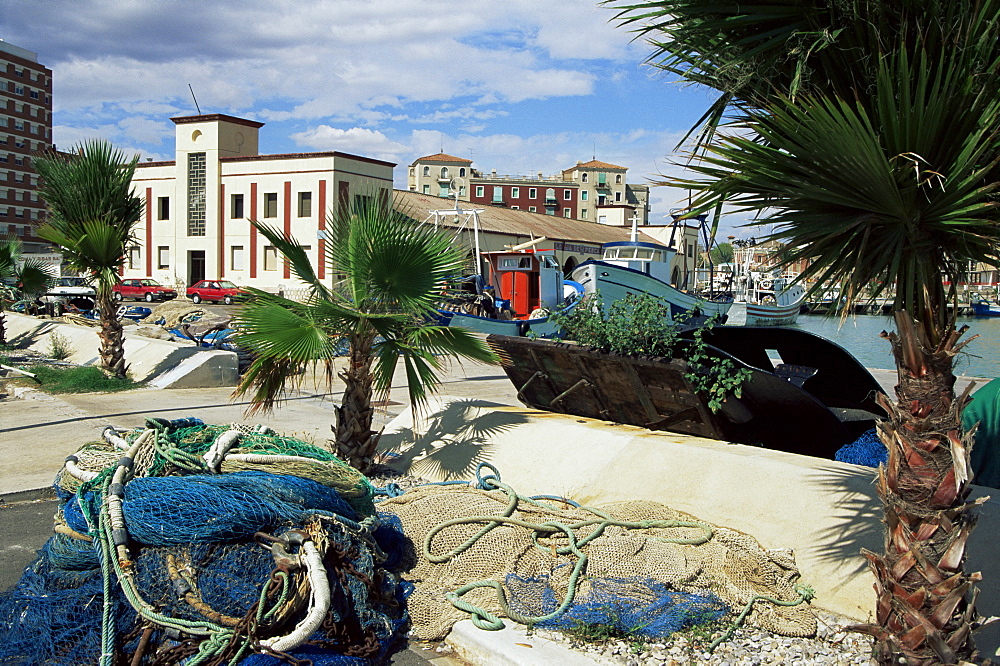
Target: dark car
(217,291)
(143,289)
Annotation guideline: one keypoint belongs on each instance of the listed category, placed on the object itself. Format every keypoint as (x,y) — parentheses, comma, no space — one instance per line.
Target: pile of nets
(198,544)
(639,566)
(867,450)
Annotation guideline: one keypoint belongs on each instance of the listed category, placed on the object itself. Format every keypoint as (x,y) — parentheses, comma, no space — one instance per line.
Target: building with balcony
(25,129)
(549,195)
(434,175)
(198,206)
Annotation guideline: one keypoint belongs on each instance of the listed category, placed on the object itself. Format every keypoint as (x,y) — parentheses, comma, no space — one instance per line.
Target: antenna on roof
(595,150)
(195,99)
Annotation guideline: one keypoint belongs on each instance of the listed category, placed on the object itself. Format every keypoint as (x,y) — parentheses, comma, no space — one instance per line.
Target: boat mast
(471,215)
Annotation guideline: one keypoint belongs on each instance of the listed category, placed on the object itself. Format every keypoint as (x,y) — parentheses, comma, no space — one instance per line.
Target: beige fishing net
(730,564)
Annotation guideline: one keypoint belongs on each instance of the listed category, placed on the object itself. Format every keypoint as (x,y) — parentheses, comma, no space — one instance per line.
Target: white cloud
(356,140)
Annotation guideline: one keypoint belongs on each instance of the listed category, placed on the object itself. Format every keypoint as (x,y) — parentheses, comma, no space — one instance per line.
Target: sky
(519,86)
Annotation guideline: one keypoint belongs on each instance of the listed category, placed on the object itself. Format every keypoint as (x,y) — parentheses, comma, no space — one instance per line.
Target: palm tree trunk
(354,438)
(925,609)
(112,336)
(3,326)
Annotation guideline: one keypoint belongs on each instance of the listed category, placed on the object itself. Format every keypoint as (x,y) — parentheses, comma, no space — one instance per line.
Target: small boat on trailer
(635,267)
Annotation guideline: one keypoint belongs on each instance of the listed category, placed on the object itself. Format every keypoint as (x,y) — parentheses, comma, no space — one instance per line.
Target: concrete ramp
(161,363)
(824,510)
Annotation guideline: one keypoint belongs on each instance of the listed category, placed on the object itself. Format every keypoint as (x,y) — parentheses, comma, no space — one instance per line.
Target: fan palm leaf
(392,272)
(30,276)
(92,213)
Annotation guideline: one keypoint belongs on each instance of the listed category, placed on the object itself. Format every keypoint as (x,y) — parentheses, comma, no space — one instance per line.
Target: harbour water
(859,334)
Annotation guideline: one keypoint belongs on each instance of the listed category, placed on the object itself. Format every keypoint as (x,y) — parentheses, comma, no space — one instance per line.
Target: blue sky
(519,86)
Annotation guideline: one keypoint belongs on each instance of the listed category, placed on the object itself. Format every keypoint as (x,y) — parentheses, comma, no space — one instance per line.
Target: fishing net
(867,450)
(491,552)
(185,542)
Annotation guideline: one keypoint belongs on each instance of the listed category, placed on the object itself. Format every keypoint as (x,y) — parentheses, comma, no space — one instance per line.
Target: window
(583,214)
(532,209)
(271,205)
(532,193)
(270,258)
(18,160)
(163,208)
(480,191)
(442,189)
(305,204)
(3,86)
(567,212)
(515,193)
(515,208)
(461,172)
(196,194)
(583,178)
(236,257)
(583,195)
(444,172)
(690,250)
(427,189)
(618,179)
(134,256)
(461,190)
(236,206)
(603,219)
(19,72)
(498,194)
(18,90)
(567,195)
(19,125)
(618,196)
(427,171)
(550,195)
(163,257)
(33,94)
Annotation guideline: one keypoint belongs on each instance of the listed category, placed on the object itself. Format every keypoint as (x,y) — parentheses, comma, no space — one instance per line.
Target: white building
(196,223)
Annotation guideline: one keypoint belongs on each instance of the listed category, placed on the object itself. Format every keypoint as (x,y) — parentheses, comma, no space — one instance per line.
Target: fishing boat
(638,267)
(983,307)
(774,302)
(522,288)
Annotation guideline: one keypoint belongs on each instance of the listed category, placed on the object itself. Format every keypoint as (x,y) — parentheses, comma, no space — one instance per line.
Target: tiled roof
(596,164)
(501,220)
(441,157)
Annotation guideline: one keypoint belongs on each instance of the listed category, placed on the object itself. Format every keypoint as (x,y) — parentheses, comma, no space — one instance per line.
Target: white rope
(77,473)
(220,446)
(112,437)
(319,602)
(263,458)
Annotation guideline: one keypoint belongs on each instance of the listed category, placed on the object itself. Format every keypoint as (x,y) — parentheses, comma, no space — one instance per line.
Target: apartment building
(25,129)
(595,191)
(198,206)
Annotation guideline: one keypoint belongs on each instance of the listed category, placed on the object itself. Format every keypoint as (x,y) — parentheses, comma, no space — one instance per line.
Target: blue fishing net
(200,547)
(867,450)
(641,607)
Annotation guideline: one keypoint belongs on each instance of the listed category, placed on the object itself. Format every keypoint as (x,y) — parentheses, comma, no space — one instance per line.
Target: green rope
(806,594)
(482,618)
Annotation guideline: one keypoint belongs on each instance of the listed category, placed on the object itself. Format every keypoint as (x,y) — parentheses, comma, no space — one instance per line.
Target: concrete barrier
(161,363)
(824,510)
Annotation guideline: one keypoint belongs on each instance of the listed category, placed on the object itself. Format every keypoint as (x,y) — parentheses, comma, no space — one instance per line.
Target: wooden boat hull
(817,401)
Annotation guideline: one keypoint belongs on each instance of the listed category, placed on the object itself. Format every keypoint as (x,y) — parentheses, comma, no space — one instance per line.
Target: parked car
(143,290)
(71,286)
(216,291)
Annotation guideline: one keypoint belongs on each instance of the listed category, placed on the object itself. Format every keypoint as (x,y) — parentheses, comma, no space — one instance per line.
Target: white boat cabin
(650,258)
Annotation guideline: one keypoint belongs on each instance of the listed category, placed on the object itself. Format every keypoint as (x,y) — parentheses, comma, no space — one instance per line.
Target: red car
(216,291)
(143,290)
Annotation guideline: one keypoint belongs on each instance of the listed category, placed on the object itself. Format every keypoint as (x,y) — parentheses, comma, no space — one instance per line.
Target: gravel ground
(832,645)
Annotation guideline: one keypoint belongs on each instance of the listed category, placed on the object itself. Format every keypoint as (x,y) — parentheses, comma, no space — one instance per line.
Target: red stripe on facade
(321,243)
(253,231)
(149,231)
(287,272)
(222,231)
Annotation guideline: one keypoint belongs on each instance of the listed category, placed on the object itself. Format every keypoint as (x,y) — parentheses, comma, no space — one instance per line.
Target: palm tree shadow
(857,521)
(452,442)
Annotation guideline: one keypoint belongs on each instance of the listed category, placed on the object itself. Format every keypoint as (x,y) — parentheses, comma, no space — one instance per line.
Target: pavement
(38,431)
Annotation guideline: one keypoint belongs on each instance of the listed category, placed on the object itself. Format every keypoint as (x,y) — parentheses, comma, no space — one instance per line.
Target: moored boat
(777,305)
(638,267)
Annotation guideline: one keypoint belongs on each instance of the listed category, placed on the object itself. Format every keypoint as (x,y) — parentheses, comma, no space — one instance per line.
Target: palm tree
(28,275)
(871,131)
(393,272)
(92,211)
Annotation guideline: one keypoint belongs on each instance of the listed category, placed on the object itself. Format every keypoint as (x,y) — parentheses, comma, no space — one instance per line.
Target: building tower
(25,129)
